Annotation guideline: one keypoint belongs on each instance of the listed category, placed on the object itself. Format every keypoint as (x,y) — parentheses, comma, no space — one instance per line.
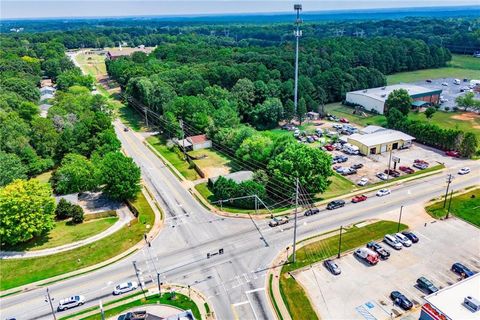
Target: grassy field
(212,162)
(293,294)
(342,111)
(463,206)
(17,272)
(44,177)
(339,185)
(93,64)
(64,233)
(175,158)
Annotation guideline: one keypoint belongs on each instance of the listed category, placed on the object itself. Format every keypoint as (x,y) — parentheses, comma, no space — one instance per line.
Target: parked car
(337,126)
(368,255)
(393,173)
(403,239)
(311,212)
(400,300)
(428,80)
(452,153)
(338,146)
(359,198)
(462,270)
(362,181)
(383,192)
(392,242)
(348,171)
(406,169)
(340,159)
(344,120)
(332,267)
(463,171)
(357,166)
(382,176)
(125,287)
(332,118)
(134,315)
(329,147)
(335,204)
(71,302)
(420,164)
(410,235)
(276,221)
(383,253)
(310,139)
(444,84)
(426,285)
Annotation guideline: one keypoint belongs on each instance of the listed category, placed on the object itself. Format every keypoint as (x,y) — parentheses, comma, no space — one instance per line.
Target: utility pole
(297,33)
(256,205)
(51,304)
(159,285)
(102,313)
(449,180)
(399,219)
(183,140)
(138,278)
(295,223)
(449,204)
(340,242)
(146,115)
(389,164)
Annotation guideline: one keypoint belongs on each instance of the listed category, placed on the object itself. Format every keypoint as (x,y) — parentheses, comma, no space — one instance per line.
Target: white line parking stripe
(240,303)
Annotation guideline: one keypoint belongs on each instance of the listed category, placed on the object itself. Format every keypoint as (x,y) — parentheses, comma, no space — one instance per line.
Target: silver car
(71,302)
(392,241)
(403,239)
(125,287)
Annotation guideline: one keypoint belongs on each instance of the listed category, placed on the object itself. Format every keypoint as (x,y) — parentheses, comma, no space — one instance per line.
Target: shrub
(77,214)
(63,210)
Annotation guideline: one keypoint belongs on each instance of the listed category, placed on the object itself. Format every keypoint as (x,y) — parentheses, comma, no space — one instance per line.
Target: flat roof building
(116,53)
(377,140)
(374,99)
(449,303)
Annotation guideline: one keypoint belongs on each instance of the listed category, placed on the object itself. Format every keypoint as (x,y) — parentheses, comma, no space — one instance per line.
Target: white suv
(403,239)
(392,241)
(71,302)
(125,287)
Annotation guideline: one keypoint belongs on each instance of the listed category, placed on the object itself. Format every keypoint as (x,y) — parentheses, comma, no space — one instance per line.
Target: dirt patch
(467,116)
(211,172)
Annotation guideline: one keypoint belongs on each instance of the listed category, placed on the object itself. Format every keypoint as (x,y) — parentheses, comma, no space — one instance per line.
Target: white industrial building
(374,99)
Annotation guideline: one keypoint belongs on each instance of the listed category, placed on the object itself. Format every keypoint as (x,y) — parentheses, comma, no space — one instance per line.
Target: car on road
(344,120)
(463,171)
(382,176)
(362,181)
(400,300)
(311,212)
(125,129)
(383,192)
(125,287)
(359,198)
(410,235)
(383,253)
(462,270)
(406,169)
(428,80)
(70,302)
(403,239)
(276,221)
(392,242)
(370,256)
(444,84)
(452,153)
(426,285)
(357,166)
(393,173)
(335,204)
(329,147)
(332,267)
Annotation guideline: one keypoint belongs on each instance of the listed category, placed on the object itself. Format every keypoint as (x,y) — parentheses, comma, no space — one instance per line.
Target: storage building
(380,141)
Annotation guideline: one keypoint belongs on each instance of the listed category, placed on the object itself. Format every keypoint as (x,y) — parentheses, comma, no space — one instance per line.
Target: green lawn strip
(180,301)
(272,297)
(292,293)
(342,111)
(419,75)
(209,158)
(100,215)
(207,308)
(17,272)
(174,157)
(339,185)
(463,206)
(44,177)
(130,117)
(464,62)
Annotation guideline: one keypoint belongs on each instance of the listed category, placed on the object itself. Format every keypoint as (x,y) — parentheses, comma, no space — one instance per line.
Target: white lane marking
(246,278)
(240,303)
(255,290)
(251,305)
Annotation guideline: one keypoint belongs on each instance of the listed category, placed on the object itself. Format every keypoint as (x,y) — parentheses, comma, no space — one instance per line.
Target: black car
(400,300)
(332,267)
(339,159)
(311,212)
(335,204)
(462,270)
(411,236)
(383,253)
(426,285)
(357,166)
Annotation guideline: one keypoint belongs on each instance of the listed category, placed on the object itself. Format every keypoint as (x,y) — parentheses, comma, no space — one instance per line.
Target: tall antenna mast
(297,33)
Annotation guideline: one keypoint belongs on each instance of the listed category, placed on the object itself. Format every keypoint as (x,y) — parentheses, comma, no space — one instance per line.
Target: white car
(362,182)
(382,176)
(403,239)
(465,170)
(392,242)
(383,192)
(125,287)
(71,302)
(444,84)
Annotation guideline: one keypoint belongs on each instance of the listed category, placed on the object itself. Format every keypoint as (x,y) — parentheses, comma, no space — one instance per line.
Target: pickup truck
(368,255)
(384,254)
(134,315)
(278,221)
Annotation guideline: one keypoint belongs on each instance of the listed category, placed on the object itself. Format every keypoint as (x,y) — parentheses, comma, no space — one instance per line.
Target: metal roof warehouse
(378,140)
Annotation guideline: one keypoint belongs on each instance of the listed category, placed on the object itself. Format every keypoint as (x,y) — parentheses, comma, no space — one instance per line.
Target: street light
(449,180)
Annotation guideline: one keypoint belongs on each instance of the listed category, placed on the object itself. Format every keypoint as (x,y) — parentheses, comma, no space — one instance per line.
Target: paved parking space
(362,291)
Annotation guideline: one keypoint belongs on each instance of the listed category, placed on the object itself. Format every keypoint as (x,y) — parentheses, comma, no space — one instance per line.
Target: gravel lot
(360,287)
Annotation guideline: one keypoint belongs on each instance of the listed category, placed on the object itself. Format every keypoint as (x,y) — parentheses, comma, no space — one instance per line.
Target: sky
(109,8)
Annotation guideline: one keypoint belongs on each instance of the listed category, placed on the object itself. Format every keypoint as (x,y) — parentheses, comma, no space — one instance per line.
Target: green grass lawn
(463,206)
(293,294)
(44,177)
(342,111)
(339,185)
(214,163)
(175,158)
(130,117)
(64,233)
(17,272)
(93,64)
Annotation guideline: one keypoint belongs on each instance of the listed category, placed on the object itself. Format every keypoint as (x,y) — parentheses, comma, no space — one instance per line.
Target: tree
(469,145)
(74,77)
(62,211)
(268,114)
(301,110)
(11,168)
(429,112)
(26,210)
(257,148)
(244,91)
(76,174)
(399,99)
(395,119)
(44,137)
(467,101)
(120,176)
(77,214)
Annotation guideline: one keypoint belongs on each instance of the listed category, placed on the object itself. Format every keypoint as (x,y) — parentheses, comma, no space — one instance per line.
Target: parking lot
(362,291)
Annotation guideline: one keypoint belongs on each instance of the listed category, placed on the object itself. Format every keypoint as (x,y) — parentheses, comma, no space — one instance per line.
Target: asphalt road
(234,283)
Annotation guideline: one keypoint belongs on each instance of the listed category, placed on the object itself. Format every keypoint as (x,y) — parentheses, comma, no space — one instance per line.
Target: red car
(343,120)
(453,153)
(329,147)
(359,198)
(393,173)
(406,169)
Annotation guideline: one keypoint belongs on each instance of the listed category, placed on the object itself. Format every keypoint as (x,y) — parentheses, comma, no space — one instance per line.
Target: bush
(77,214)
(63,210)
(447,109)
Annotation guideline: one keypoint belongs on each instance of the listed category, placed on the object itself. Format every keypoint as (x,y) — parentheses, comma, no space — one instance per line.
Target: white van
(456,81)
(474,83)
(350,148)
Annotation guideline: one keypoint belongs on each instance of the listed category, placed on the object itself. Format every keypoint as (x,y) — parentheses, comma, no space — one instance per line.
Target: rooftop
(450,299)
(380,137)
(372,129)
(381,93)
(198,139)
(122,52)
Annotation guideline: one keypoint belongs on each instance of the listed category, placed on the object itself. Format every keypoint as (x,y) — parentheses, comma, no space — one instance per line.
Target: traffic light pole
(51,304)
(399,219)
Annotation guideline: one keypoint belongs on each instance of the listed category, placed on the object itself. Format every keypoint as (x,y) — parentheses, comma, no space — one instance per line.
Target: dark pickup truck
(135,315)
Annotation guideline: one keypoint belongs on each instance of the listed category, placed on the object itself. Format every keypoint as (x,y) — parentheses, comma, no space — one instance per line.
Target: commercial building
(374,99)
(119,52)
(456,302)
(377,140)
